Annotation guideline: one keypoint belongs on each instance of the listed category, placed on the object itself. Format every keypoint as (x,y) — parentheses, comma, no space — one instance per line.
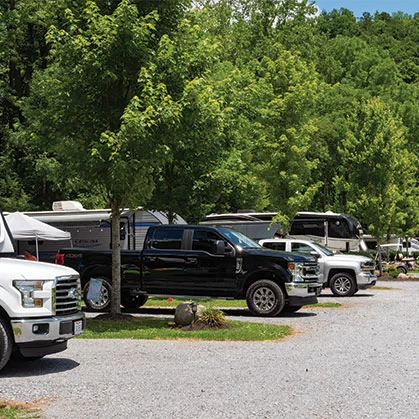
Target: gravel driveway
(358,361)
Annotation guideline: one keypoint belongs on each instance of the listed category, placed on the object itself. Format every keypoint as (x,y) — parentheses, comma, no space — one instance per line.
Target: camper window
(338,228)
(305,228)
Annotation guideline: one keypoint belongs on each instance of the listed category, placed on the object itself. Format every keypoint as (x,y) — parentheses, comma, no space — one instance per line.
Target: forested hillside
(194,107)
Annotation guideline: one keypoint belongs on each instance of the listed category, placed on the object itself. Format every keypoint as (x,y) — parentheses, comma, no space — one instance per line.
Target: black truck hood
(289,257)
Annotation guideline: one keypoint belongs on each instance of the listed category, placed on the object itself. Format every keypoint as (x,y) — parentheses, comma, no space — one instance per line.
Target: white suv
(345,274)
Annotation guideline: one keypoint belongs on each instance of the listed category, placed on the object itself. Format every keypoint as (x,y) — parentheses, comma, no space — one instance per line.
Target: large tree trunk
(116,263)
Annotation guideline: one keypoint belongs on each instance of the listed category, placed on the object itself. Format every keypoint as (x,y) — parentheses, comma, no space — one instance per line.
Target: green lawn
(16,410)
(207,302)
(144,327)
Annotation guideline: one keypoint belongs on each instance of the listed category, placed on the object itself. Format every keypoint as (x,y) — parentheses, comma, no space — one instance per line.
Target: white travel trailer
(91,228)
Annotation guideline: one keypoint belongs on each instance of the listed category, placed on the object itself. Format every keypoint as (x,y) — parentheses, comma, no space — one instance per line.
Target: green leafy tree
(96,109)
(191,67)
(377,177)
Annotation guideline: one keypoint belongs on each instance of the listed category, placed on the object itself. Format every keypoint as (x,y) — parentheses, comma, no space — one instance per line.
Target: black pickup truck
(200,261)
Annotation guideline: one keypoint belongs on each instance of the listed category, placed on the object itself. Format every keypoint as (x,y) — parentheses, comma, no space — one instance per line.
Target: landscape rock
(186,313)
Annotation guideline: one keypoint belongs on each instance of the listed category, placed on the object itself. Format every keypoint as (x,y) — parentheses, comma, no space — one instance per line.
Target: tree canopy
(210,106)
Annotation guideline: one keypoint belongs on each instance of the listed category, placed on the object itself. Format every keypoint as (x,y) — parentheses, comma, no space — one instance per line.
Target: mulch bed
(202,326)
(387,277)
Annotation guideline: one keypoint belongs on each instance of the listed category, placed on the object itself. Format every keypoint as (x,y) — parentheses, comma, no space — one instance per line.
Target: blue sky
(360,6)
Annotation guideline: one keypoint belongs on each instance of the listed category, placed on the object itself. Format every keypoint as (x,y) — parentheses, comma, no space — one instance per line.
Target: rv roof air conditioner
(67,206)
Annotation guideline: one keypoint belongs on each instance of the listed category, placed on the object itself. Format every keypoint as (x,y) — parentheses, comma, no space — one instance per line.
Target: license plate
(78,327)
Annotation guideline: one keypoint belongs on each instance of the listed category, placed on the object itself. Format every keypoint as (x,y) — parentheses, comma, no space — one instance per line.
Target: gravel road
(358,361)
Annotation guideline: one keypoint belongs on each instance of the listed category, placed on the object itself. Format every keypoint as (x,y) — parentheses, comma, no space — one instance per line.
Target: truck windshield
(325,250)
(239,239)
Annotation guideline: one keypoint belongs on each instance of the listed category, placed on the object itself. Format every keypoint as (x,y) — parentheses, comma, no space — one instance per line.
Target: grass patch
(162,328)
(10,409)
(174,302)
(379,287)
(324,305)
(207,302)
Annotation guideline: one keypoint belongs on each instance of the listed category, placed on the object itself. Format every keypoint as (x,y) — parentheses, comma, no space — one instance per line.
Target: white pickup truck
(345,274)
(40,304)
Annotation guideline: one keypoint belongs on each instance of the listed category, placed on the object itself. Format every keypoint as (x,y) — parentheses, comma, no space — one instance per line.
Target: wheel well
(336,271)
(264,275)
(3,314)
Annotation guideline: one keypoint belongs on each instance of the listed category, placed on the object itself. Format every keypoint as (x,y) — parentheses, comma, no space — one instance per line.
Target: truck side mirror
(224,248)
(315,254)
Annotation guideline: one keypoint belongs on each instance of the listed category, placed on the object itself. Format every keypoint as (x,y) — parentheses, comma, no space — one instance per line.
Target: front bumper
(48,329)
(300,294)
(366,280)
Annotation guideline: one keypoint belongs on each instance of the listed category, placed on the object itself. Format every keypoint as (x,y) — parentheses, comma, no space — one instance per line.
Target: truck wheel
(342,285)
(104,303)
(402,269)
(265,298)
(6,343)
(129,301)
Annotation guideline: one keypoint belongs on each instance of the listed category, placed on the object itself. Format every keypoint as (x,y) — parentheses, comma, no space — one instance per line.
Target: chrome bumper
(57,328)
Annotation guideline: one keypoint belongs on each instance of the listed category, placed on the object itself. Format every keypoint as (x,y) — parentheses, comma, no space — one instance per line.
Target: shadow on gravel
(44,366)
(357,295)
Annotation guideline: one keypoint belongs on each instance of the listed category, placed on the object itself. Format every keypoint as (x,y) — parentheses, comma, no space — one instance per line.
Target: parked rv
(91,228)
(338,232)
(257,225)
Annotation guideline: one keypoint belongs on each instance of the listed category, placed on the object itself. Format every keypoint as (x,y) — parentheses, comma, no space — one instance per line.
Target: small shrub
(211,317)
(392,271)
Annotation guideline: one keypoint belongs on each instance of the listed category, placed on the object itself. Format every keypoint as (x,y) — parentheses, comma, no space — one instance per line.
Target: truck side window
(167,239)
(205,240)
(300,247)
(275,246)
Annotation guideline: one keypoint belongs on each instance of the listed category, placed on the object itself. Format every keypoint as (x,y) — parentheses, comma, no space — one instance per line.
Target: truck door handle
(151,259)
(191,261)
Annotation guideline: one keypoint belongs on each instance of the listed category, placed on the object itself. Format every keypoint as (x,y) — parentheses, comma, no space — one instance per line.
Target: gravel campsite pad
(359,360)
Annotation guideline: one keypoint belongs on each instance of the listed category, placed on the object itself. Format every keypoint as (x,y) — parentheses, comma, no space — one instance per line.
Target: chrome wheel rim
(264,299)
(103,298)
(342,285)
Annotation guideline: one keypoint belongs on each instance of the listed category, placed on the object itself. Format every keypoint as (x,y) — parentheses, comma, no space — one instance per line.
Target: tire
(402,269)
(342,285)
(265,298)
(290,309)
(136,301)
(6,342)
(105,300)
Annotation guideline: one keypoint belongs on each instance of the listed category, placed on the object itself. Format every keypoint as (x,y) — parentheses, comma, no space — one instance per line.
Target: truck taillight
(59,258)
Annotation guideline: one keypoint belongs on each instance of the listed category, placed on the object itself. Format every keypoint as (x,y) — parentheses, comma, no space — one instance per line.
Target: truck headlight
(366,266)
(295,269)
(31,293)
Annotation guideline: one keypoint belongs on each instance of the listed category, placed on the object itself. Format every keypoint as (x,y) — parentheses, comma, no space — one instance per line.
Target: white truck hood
(350,258)
(26,269)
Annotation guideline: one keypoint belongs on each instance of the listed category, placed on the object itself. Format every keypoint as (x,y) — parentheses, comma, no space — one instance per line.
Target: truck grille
(310,272)
(68,295)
